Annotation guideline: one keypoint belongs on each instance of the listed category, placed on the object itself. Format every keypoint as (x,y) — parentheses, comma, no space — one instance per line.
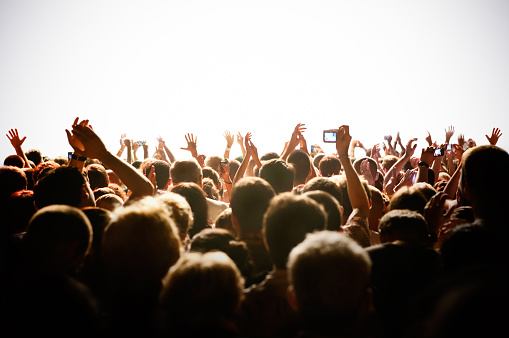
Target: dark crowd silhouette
(295,242)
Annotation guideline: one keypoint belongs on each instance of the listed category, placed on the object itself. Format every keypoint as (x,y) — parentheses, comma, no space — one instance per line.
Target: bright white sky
(150,68)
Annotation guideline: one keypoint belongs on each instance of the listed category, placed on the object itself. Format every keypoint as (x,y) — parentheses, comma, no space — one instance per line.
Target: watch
(423,164)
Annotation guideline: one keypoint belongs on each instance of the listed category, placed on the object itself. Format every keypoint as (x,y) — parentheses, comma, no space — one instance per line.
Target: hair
(216,190)
(426,190)
(180,211)
(288,219)
(408,198)
(223,240)
(323,184)
(224,221)
(249,200)
(14,161)
(329,274)
(388,161)
(379,203)
(373,167)
(302,164)
(342,182)
(197,200)
(404,225)
(331,207)
(19,208)
(99,218)
(29,173)
(61,160)
(53,225)
(213,162)
(186,171)
(279,174)
(102,191)
(62,185)
(109,202)
(210,189)
(162,171)
(12,179)
(139,246)
(34,155)
(117,190)
(42,168)
(329,166)
(97,176)
(317,158)
(234,166)
(269,156)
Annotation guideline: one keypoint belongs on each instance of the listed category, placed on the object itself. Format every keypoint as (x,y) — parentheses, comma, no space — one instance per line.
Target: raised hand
(229,138)
(343,139)
(448,133)
(122,138)
(13,136)
(428,139)
(427,155)
(410,149)
(240,139)
(85,141)
(75,142)
(191,144)
(461,140)
(495,135)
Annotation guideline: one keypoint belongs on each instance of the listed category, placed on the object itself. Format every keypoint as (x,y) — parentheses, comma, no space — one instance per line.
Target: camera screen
(329,136)
(438,152)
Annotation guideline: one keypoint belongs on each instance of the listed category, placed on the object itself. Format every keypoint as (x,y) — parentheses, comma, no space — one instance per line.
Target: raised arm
(229,142)
(495,135)
(16,142)
(294,141)
(122,145)
(356,193)
(240,141)
(86,143)
(396,168)
(243,166)
(167,150)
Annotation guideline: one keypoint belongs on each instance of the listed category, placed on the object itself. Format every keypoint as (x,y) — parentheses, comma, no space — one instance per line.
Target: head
(345,199)
(34,155)
(249,201)
(329,275)
(373,166)
(329,165)
(302,165)
(109,202)
(287,221)
(19,208)
(197,200)
(199,291)
(379,203)
(186,171)
(180,211)
(317,158)
(331,207)
(224,221)
(162,171)
(405,226)
(323,184)
(234,166)
(279,174)
(269,156)
(12,179)
(213,162)
(42,168)
(58,238)
(15,161)
(97,176)
(210,189)
(408,198)
(388,161)
(139,246)
(63,185)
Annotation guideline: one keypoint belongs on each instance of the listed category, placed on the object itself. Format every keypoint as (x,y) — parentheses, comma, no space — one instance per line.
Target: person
(249,202)
(279,174)
(197,200)
(139,245)
(287,220)
(302,165)
(331,207)
(329,166)
(180,211)
(161,171)
(403,267)
(97,176)
(201,296)
(328,276)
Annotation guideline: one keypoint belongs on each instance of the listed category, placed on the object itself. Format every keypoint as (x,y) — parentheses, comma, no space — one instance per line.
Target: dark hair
(404,225)
(373,167)
(302,164)
(14,161)
(317,158)
(197,200)
(279,174)
(249,201)
(185,171)
(62,185)
(331,207)
(408,198)
(329,166)
(162,169)
(18,210)
(34,155)
(323,184)
(288,219)
(234,166)
(12,179)
(42,168)
(97,176)
(210,189)
(269,156)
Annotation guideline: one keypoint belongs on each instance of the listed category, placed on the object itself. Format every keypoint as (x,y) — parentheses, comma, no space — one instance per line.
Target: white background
(150,68)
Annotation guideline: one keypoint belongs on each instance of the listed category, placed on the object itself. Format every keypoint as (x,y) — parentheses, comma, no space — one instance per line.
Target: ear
(167,184)
(292,300)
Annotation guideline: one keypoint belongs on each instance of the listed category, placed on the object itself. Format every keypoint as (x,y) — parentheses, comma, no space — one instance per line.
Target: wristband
(228,148)
(79,158)
(423,164)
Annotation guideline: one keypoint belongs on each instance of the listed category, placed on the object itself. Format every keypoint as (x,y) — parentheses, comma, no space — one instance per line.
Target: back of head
(279,174)
(42,168)
(425,189)
(197,200)
(97,176)
(34,155)
(373,167)
(378,205)
(329,166)
(12,179)
(403,225)
(287,221)
(213,162)
(329,274)
(200,292)
(162,171)
(331,207)
(408,198)
(18,210)
(269,156)
(15,161)
(249,201)
(139,246)
(388,161)
(209,188)
(109,202)
(323,184)
(62,185)
(224,221)
(54,226)
(317,158)
(186,171)
(234,166)
(302,164)
(180,210)
(485,180)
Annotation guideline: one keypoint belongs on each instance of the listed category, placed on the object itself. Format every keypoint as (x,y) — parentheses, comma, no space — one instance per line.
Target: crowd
(292,243)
